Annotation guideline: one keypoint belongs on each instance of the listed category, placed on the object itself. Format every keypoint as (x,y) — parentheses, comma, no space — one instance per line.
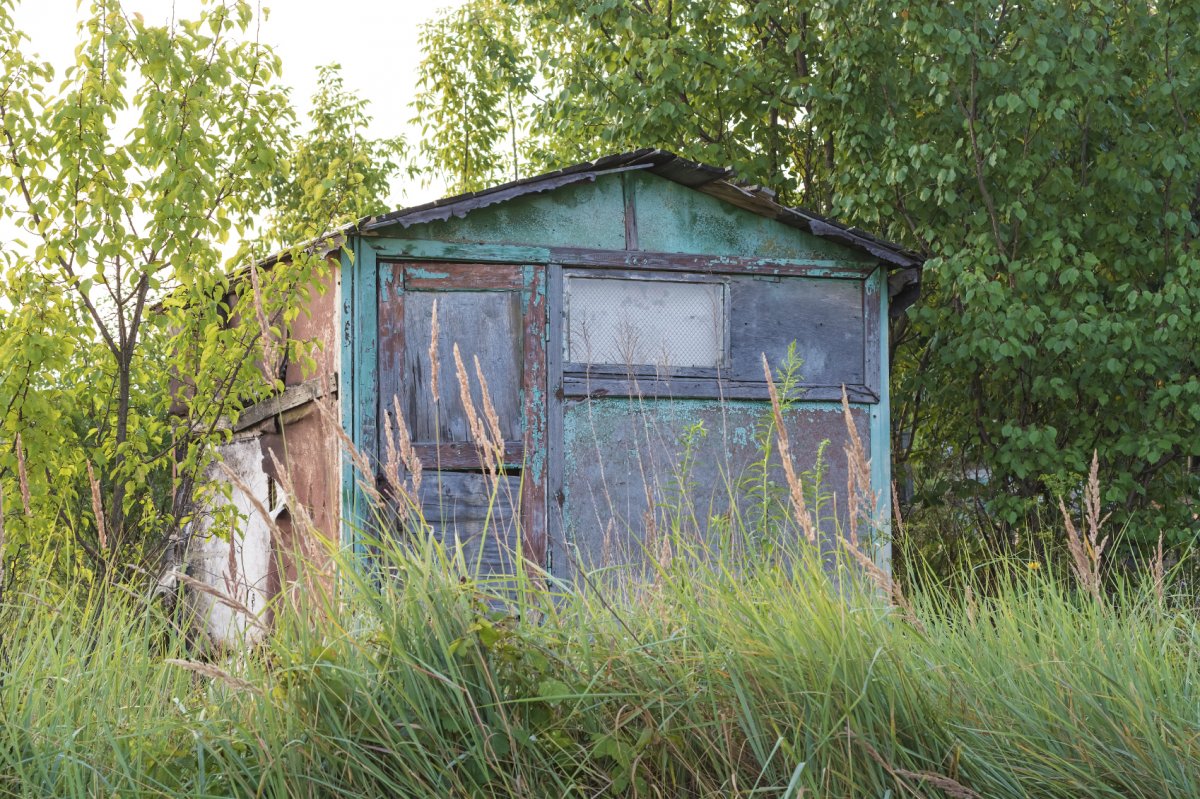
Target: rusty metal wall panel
(622,457)
(308,450)
(318,324)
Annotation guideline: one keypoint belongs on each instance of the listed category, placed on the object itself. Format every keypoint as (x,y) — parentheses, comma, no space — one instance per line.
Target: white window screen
(656,323)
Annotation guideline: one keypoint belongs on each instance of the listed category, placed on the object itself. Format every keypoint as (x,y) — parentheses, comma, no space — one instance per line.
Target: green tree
(127,181)
(1043,155)
(334,173)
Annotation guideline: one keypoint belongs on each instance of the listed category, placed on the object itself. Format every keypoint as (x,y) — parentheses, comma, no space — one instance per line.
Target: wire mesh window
(646,323)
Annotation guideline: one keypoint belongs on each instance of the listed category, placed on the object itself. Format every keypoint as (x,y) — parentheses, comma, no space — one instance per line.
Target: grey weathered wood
(824,318)
(622,475)
(462,455)
(487,324)
(581,385)
(466,507)
(708,264)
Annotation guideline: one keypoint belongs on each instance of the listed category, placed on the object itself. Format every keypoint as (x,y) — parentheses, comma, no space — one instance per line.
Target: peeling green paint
(881,436)
(674,218)
(427,274)
(428,250)
(346,386)
(620,450)
(581,215)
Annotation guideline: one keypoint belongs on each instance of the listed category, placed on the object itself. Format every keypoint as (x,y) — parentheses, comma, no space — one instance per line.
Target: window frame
(583,380)
(646,371)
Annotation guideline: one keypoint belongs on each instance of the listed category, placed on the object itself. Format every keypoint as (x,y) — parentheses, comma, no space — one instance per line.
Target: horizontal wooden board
(462,277)
(443,252)
(583,385)
(465,455)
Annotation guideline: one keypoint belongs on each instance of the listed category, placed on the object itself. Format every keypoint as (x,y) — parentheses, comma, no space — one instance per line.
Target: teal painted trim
(418,249)
(346,390)
(366,367)
(881,435)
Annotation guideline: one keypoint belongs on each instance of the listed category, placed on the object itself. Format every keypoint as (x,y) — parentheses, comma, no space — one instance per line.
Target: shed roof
(717,182)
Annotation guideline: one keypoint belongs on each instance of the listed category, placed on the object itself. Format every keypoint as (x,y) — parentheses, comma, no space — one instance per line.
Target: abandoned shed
(614,307)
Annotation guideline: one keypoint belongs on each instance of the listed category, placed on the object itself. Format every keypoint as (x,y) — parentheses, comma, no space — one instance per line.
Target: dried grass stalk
(225,599)
(795,487)
(212,672)
(858,488)
(1087,550)
(361,462)
(947,785)
(435,367)
(858,471)
(23,477)
(401,454)
(97,507)
(495,434)
(474,422)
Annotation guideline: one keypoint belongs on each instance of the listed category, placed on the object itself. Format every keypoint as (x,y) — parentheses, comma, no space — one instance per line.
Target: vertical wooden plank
(363,391)
(367,346)
(488,325)
(391,338)
(881,434)
(631,227)
(533,499)
(556,543)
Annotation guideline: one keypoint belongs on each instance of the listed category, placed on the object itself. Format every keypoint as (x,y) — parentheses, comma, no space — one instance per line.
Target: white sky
(375,41)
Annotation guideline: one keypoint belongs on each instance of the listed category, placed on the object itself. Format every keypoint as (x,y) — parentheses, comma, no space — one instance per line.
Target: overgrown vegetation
(753,677)
(140,185)
(1043,156)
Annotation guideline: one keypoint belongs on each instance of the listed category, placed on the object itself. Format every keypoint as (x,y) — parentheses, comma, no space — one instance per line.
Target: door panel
(484,324)
(461,510)
(495,313)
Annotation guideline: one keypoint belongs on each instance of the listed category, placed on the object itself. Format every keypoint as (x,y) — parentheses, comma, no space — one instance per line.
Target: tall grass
(749,678)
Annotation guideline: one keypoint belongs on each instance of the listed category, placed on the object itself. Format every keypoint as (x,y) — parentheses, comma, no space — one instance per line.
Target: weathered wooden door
(496,315)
